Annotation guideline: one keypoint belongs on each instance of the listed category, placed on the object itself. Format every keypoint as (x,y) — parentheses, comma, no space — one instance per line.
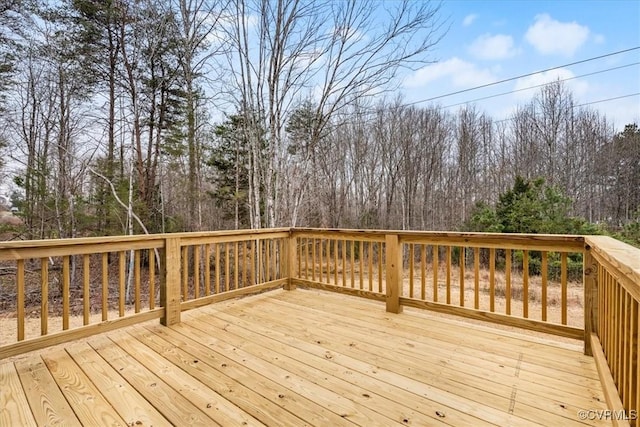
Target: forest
(149,116)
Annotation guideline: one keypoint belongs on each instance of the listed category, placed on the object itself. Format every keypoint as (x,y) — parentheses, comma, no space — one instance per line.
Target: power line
(541,85)
(608,99)
(524,75)
(585,104)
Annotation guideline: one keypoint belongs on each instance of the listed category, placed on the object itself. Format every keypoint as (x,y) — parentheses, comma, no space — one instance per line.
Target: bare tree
(334,53)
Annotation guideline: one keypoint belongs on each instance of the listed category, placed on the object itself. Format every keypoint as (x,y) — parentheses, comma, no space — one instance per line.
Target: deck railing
(612,283)
(527,281)
(574,286)
(75,288)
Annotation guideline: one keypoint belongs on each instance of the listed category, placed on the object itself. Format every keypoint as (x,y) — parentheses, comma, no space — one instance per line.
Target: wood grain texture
(48,404)
(14,407)
(394,271)
(89,405)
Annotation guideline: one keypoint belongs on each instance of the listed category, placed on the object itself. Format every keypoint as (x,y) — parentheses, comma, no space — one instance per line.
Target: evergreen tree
(230,159)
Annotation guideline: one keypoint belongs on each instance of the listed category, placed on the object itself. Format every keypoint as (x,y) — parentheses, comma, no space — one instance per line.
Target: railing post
(292,247)
(394,273)
(170,288)
(590,280)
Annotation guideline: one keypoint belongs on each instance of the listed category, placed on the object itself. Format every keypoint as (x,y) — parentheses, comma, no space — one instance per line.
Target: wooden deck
(303,357)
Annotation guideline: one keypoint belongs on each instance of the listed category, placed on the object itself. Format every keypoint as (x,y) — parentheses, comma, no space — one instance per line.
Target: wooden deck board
(477,384)
(122,396)
(86,400)
(475,361)
(303,357)
(14,407)
(47,403)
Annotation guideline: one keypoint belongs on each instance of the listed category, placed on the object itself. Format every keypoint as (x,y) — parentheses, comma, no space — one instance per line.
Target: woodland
(150,116)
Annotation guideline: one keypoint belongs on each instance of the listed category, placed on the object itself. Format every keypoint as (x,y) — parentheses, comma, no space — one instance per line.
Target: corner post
(170,289)
(292,247)
(590,280)
(394,273)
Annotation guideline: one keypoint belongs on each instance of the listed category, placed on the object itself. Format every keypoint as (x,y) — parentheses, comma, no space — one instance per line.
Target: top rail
(542,242)
(622,261)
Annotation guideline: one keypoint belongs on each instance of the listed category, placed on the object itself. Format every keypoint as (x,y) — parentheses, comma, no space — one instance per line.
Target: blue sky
(490,41)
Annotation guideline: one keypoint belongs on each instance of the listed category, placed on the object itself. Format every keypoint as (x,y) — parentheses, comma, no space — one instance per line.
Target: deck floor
(304,357)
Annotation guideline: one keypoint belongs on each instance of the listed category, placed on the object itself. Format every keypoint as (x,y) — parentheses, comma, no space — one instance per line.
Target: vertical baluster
(380,261)
(423,271)
(411,266)
(525,284)
(306,258)
(507,273)
(121,282)
(259,262)
(185,273)
(320,259)
(20,283)
(313,259)
(545,275)
(612,321)
(217,268)
(563,282)
(335,262)
(66,284)
(352,266)
(275,250)
(152,279)
(243,246)
(361,262)
(207,269)
(105,286)
(236,265)
(86,296)
(492,280)
(448,278)
(252,271)
(476,278)
(227,268)
(461,260)
(196,271)
(344,262)
(44,289)
(436,266)
(136,278)
(300,248)
(370,263)
(620,333)
(626,375)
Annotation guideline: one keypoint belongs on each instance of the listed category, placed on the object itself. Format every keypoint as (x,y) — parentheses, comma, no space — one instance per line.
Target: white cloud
(460,73)
(549,36)
(468,20)
(576,86)
(621,111)
(599,38)
(492,47)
